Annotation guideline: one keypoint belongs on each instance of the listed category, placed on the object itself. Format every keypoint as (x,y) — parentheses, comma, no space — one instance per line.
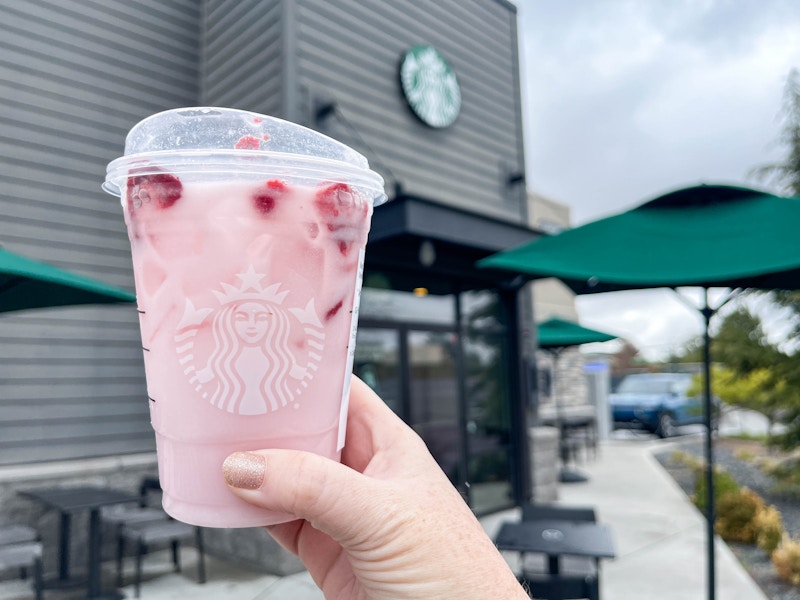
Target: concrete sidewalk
(660,540)
(660,536)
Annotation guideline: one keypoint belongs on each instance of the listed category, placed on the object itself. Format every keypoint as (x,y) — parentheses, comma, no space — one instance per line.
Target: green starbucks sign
(430,86)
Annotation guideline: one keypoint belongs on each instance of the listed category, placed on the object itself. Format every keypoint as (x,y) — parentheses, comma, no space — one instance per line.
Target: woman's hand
(386,523)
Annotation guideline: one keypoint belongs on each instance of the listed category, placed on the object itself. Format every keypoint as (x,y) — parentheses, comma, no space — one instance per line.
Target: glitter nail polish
(244,470)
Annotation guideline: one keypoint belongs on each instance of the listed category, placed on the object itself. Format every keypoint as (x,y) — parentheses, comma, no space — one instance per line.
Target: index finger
(371,425)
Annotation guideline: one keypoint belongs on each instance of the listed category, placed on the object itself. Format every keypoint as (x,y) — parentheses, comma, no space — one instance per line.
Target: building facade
(427,90)
(563,378)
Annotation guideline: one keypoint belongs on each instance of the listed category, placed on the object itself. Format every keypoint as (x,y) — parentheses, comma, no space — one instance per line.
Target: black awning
(406,229)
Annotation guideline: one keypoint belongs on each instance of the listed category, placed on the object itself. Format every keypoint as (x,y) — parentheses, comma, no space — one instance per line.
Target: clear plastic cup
(247,236)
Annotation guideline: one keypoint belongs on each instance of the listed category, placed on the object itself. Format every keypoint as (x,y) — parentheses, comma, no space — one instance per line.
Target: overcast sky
(627,99)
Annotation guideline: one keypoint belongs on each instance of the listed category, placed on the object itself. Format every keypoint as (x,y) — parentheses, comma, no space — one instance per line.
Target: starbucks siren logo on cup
(248,321)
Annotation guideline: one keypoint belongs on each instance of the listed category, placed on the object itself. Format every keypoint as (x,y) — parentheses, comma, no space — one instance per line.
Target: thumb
(303,484)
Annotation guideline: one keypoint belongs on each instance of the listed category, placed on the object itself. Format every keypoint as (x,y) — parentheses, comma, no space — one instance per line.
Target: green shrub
(724,484)
(736,516)
(770,532)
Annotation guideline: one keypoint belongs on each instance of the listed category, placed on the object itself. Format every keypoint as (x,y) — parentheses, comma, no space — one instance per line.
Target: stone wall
(567,381)
(545,464)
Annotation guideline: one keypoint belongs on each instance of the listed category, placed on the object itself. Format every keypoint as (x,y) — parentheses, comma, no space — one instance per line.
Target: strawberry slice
(343,212)
(144,193)
(335,201)
(248,142)
(333,310)
(266,197)
(159,190)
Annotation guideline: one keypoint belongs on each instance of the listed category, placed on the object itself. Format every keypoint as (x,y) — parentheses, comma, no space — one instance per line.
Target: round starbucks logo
(430,86)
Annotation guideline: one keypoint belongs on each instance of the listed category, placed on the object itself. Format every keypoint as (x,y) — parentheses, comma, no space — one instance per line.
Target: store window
(395,305)
(482,310)
(488,422)
(440,362)
(377,362)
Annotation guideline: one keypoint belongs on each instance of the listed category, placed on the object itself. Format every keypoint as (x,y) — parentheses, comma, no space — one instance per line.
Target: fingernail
(244,470)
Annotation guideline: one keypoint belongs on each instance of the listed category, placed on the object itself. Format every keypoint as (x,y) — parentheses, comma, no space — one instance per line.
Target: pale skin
(384,524)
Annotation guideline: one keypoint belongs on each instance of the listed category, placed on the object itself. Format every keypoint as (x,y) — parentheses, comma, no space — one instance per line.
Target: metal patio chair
(146,526)
(532,512)
(145,535)
(561,587)
(21,548)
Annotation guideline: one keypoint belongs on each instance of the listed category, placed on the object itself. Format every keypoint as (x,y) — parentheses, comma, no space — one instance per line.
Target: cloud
(655,321)
(625,100)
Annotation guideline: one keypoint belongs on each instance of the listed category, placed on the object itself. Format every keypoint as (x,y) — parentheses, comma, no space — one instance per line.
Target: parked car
(656,402)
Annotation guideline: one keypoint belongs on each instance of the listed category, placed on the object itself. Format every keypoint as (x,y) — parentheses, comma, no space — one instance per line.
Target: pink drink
(247,289)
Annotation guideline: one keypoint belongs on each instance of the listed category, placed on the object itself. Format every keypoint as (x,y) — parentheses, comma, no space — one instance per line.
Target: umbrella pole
(707,313)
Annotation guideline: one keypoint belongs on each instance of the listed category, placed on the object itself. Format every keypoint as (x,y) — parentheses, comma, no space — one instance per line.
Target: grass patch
(685,459)
(748,437)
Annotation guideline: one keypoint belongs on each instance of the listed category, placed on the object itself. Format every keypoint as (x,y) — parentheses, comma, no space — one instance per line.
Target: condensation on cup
(247,236)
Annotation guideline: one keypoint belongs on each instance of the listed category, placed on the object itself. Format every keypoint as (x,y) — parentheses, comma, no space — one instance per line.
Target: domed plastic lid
(215,142)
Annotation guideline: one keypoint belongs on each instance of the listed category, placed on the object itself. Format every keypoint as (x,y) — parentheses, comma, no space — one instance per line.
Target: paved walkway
(660,540)
(660,536)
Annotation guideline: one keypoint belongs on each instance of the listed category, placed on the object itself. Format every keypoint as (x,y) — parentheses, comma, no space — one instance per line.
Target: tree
(625,359)
(785,175)
(742,345)
(760,390)
(747,372)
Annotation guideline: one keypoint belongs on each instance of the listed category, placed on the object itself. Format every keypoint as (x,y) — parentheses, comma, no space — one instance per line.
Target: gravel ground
(747,473)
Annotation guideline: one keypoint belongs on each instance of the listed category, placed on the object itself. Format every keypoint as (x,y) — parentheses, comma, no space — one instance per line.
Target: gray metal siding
(242,55)
(349,51)
(74,76)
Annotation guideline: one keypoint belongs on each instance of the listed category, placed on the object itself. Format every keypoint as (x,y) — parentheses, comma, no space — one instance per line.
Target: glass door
(434,407)
(441,363)
(377,361)
(487,392)
(488,423)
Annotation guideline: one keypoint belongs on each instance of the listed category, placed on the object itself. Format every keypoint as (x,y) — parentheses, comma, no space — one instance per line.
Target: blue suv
(656,402)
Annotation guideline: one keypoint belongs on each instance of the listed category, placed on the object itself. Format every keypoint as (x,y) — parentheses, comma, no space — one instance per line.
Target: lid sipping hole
(199,112)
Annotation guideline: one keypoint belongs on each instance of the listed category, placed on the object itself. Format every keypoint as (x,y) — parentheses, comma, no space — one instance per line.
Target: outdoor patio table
(556,538)
(70,500)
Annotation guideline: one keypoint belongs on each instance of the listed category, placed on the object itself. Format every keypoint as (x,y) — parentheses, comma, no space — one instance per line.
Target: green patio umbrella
(559,333)
(26,283)
(554,336)
(703,236)
(706,236)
